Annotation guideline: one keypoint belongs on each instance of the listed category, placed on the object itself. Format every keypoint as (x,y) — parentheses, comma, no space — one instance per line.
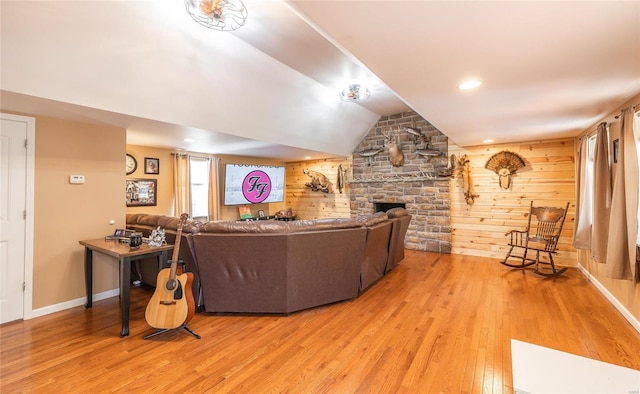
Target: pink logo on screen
(256,186)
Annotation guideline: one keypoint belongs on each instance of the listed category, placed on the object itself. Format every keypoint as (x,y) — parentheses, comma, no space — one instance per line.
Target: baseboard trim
(72,303)
(613,300)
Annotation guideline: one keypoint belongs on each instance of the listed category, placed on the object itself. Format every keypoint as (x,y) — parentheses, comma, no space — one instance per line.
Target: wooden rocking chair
(541,235)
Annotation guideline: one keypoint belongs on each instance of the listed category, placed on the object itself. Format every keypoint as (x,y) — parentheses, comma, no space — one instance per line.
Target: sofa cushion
(256,226)
(297,226)
(397,212)
(132,218)
(372,219)
(149,220)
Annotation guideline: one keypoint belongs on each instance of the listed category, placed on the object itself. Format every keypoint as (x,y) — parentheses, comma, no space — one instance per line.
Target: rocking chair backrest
(549,222)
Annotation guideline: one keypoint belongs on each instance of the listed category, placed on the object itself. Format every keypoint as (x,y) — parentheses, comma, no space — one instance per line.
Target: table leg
(163,260)
(125,292)
(88,276)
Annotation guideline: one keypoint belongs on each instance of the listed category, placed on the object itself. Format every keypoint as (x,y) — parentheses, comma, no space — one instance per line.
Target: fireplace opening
(385,206)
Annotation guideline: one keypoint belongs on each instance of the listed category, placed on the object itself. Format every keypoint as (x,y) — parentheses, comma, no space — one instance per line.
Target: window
(199,188)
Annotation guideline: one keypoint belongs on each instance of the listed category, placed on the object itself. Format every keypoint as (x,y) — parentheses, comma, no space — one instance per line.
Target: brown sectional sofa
(281,267)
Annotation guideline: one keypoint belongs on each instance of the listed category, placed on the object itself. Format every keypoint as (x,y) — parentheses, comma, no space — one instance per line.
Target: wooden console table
(125,256)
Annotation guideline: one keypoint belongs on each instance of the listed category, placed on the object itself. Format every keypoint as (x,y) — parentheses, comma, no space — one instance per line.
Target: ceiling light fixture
(355,93)
(470,84)
(224,15)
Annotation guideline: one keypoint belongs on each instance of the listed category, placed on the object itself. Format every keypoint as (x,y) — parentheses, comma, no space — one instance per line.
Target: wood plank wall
(548,179)
(307,204)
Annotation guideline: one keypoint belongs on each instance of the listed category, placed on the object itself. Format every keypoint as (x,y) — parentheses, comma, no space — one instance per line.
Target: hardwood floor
(437,323)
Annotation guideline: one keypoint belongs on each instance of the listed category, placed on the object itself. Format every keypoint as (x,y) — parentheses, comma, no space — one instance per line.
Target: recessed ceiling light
(469,84)
(487,141)
(188,140)
(307,157)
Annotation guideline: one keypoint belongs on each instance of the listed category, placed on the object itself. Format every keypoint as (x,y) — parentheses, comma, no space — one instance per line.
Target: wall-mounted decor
(340,180)
(463,168)
(151,165)
(130,164)
(319,181)
(505,164)
(141,192)
(396,157)
(370,154)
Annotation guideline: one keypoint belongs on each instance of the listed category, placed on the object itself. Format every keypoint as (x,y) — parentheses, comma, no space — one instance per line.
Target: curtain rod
(195,156)
(634,107)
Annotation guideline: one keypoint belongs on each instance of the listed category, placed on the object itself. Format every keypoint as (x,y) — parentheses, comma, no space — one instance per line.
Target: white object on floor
(537,370)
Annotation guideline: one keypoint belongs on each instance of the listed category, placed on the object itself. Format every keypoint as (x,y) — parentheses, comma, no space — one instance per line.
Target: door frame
(27,294)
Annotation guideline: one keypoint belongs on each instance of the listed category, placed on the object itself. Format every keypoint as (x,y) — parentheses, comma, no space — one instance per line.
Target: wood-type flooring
(436,324)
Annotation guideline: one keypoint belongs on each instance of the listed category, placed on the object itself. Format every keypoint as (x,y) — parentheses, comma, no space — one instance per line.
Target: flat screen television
(253,184)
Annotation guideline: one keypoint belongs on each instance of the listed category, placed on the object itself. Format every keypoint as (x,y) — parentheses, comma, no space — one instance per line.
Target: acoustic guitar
(172,304)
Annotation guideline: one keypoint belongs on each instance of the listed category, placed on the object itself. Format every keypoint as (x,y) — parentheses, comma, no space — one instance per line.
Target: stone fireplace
(385,206)
(416,184)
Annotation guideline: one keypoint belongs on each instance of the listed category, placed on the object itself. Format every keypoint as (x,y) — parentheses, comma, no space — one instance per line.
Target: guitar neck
(176,246)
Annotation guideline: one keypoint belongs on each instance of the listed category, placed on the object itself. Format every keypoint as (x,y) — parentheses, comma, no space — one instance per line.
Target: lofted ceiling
(270,89)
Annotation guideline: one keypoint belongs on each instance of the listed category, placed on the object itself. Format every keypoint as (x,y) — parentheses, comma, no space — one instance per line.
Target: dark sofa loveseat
(282,267)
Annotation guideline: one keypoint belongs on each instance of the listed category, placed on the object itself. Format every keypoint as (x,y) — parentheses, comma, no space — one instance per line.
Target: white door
(13,203)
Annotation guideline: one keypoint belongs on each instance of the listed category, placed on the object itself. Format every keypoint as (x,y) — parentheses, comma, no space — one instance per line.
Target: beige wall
(307,204)
(65,213)
(625,292)
(165,181)
(547,179)
(164,178)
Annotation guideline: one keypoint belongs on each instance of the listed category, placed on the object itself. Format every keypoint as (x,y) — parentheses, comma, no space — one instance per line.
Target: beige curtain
(582,232)
(214,189)
(601,195)
(623,226)
(181,185)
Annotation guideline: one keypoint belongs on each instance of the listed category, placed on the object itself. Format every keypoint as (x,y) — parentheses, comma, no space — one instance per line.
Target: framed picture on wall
(151,165)
(141,192)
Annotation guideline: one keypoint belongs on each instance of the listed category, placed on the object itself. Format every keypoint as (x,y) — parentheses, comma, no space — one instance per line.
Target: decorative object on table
(341,176)
(172,305)
(141,192)
(319,181)
(131,164)
(223,15)
(505,164)
(462,167)
(119,232)
(151,165)
(157,237)
(245,212)
(261,214)
(396,157)
(135,240)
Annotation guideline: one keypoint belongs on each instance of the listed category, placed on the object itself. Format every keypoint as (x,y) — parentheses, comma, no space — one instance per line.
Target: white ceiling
(270,89)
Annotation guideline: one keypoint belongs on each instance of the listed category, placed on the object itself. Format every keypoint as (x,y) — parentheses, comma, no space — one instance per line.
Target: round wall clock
(131,164)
